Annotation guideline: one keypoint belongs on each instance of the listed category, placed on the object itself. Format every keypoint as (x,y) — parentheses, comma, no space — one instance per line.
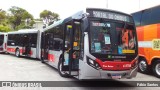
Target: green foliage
(45,13)
(4,24)
(23,26)
(4,28)
(2,15)
(18,17)
(49,15)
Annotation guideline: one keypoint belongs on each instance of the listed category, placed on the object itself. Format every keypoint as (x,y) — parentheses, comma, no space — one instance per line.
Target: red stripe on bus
(158,31)
(51,57)
(11,49)
(21,50)
(31,53)
(115,65)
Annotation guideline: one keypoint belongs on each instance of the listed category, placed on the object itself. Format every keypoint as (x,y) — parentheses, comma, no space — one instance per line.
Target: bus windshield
(112,37)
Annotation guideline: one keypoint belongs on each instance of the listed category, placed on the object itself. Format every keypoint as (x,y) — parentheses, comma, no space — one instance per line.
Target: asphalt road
(26,69)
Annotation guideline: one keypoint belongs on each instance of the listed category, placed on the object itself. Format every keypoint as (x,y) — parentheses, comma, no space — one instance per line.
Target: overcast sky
(66,8)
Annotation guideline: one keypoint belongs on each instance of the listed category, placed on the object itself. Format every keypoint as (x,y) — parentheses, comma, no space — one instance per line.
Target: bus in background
(95,44)
(23,43)
(3,42)
(148,30)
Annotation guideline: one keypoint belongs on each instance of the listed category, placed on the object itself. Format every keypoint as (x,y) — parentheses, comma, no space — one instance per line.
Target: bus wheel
(17,53)
(156,68)
(62,73)
(143,66)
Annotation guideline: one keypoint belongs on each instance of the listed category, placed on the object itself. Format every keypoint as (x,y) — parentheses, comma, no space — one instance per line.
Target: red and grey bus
(23,43)
(3,42)
(92,44)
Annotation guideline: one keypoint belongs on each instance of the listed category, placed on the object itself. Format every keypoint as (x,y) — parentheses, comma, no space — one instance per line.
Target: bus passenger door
(72,48)
(26,44)
(45,46)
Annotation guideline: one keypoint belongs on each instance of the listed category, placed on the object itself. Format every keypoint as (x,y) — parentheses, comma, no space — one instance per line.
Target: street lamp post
(107,4)
(139,4)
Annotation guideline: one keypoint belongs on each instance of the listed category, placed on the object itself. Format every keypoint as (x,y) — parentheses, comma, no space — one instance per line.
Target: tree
(2,15)
(4,25)
(48,16)
(18,17)
(4,28)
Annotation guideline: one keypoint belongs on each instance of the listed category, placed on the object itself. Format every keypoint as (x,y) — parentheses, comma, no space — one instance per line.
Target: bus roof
(3,33)
(77,15)
(146,9)
(21,31)
(80,15)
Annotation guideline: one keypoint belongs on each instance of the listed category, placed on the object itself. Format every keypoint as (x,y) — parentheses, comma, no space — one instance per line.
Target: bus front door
(72,49)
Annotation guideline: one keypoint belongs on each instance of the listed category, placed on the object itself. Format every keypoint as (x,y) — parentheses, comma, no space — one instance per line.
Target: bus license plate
(116,76)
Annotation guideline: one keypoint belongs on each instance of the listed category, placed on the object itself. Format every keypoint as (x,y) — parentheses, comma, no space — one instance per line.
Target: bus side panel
(150,32)
(33,52)
(145,38)
(11,49)
(140,36)
(53,57)
(158,31)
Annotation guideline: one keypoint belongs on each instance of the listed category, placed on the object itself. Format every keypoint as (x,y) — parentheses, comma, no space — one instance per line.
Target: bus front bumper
(88,72)
(119,74)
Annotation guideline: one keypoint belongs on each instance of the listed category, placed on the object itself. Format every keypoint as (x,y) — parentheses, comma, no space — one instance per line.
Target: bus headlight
(93,63)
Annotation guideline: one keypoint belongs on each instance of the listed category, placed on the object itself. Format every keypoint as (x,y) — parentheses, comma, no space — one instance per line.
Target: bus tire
(156,68)
(143,66)
(17,53)
(61,73)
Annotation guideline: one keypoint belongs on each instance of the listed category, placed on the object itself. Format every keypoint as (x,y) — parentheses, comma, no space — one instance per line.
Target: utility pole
(139,4)
(107,4)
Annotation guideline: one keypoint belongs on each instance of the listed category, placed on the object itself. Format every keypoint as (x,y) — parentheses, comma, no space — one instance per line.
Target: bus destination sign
(109,15)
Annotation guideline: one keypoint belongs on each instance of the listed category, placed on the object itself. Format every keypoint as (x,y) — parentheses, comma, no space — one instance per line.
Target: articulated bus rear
(148,30)
(3,42)
(23,43)
(96,44)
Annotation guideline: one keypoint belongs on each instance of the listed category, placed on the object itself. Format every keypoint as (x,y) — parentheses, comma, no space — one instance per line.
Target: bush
(4,28)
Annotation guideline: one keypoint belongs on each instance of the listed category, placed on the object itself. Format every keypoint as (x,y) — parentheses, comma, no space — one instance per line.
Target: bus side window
(58,38)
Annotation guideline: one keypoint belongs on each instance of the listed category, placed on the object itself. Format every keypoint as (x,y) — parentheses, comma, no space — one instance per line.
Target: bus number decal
(156,44)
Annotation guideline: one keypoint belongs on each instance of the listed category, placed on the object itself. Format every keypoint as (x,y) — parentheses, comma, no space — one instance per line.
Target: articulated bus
(23,43)
(3,42)
(95,44)
(148,30)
